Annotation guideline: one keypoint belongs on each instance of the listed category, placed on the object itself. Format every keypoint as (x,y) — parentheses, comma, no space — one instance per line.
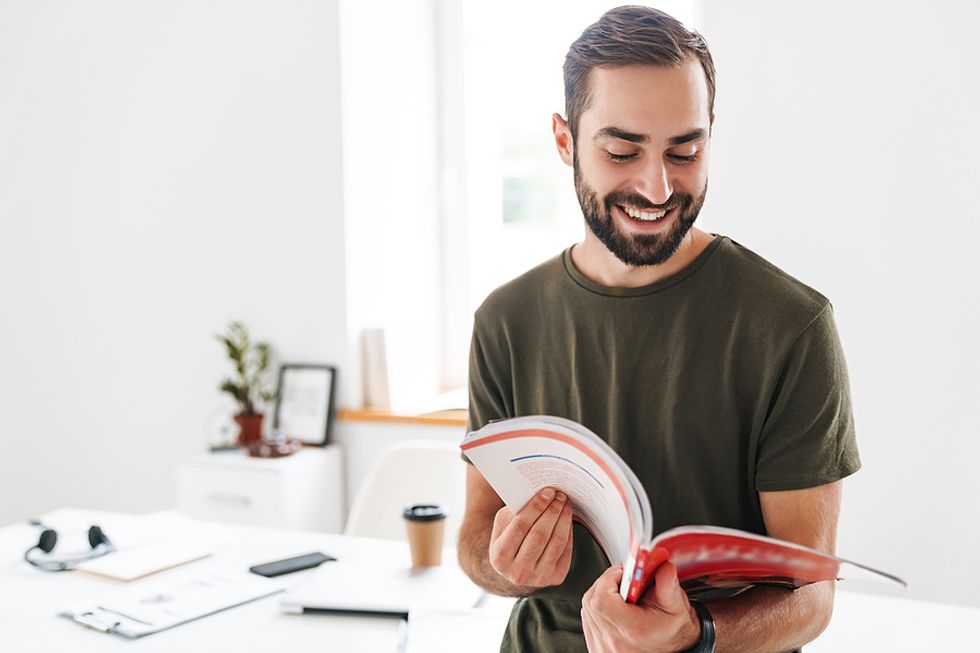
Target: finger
(593,635)
(587,631)
(500,521)
(560,542)
(525,517)
(616,576)
(506,541)
(607,607)
(603,587)
(565,561)
(502,549)
(667,592)
(505,546)
(605,637)
(608,582)
(539,535)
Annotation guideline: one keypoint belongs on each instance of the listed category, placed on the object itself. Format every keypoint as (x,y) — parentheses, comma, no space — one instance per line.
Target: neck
(601,266)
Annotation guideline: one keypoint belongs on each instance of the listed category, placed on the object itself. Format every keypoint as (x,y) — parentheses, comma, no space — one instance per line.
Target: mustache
(641,203)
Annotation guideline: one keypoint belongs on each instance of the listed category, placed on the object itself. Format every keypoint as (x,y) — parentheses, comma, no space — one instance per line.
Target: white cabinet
(304,491)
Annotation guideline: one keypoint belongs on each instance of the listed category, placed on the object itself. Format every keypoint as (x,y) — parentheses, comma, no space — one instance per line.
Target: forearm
(768,619)
(474,557)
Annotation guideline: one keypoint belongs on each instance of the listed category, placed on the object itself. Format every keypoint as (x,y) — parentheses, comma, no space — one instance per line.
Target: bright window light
(519,202)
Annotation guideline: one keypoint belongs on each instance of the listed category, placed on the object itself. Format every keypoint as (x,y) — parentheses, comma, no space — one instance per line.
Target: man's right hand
(533,548)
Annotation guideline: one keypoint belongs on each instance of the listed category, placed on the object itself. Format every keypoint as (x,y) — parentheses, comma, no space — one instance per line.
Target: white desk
(30,600)
(872,623)
(862,623)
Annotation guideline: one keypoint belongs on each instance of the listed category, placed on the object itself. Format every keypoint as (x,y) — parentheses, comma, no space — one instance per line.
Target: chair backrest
(409,472)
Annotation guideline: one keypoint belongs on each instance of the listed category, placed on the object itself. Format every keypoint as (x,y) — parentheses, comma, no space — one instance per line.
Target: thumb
(667,594)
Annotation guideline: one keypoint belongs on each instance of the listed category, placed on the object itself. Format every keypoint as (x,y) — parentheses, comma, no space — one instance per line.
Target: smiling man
(717,377)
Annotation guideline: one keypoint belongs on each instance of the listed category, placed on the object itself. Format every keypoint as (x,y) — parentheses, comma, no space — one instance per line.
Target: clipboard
(158,604)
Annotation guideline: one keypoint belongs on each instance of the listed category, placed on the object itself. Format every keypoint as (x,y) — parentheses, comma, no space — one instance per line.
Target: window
(508,201)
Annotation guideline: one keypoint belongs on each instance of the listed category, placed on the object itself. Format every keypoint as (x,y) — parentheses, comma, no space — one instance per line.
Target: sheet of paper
(145,559)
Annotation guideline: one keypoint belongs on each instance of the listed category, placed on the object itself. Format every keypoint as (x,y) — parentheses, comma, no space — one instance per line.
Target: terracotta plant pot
(251,429)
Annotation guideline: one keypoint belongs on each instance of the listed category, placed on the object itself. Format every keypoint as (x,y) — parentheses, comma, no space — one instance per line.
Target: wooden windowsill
(439,418)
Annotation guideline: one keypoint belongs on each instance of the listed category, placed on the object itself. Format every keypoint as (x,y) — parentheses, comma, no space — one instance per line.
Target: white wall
(844,151)
(165,166)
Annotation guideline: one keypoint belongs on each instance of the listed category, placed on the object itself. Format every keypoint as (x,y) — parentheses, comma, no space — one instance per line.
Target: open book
(520,456)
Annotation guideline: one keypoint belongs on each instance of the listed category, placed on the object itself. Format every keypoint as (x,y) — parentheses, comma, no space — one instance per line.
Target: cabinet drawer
(243,496)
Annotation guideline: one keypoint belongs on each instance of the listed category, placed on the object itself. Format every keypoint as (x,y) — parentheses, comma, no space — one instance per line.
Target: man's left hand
(663,621)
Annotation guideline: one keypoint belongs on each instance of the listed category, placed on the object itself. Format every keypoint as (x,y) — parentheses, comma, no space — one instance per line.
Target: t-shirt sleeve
(489,380)
(808,436)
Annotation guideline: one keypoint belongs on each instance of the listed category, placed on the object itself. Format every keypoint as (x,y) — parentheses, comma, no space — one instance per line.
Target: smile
(645,216)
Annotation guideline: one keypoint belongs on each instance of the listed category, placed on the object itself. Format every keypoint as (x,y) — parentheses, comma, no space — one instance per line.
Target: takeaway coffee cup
(425,525)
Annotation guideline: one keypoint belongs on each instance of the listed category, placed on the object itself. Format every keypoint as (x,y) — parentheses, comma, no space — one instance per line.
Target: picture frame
(305,402)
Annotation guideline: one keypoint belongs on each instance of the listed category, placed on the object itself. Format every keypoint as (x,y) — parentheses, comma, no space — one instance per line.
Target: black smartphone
(289,565)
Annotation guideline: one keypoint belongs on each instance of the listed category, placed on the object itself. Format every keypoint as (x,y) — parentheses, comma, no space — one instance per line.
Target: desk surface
(30,600)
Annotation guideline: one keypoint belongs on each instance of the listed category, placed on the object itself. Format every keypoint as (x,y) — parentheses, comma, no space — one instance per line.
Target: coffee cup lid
(425,512)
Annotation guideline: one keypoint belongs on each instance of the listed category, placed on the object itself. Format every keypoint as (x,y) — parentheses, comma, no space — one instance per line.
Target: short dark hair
(626,36)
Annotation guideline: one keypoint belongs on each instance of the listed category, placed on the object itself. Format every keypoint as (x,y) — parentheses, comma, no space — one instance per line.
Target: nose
(654,182)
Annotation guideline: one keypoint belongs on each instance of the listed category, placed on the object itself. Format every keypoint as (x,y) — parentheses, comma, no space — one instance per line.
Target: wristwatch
(706,644)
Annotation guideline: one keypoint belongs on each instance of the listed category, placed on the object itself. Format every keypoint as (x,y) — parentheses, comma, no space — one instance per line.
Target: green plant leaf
(250,362)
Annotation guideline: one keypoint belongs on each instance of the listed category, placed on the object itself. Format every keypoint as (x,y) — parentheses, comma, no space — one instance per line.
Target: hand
(534,547)
(662,621)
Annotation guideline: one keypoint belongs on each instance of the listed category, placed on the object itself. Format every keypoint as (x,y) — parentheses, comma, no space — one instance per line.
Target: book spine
(633,593)
(647,563)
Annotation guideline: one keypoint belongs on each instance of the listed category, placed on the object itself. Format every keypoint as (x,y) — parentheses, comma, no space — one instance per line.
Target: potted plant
(246,387)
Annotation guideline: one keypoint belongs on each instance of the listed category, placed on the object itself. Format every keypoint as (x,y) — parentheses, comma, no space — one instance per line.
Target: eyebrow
(621,134)
(693,135)
(633,137)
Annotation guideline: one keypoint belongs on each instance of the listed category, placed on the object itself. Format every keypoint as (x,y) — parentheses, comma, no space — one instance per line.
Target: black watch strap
(706,644)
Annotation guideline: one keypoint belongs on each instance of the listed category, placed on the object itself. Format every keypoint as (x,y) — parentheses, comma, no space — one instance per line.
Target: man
(716,376)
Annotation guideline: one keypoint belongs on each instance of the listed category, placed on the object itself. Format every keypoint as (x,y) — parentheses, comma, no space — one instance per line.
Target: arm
(513,555)
(760,620)
(772,619)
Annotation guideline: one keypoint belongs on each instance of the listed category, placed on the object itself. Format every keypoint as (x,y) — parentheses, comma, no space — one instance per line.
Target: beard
(636,249)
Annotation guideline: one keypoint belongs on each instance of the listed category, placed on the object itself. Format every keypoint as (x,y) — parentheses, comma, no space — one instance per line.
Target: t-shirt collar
(581,280)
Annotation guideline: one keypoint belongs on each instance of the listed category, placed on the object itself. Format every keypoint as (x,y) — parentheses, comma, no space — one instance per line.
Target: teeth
(639,215)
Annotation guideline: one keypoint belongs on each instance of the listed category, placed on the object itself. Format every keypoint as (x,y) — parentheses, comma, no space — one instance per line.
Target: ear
(563,138)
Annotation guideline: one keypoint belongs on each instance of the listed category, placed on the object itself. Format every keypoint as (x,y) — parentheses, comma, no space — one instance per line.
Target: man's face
(641,158)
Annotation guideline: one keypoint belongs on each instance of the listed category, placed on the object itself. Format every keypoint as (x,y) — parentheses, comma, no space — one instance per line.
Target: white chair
(406,473)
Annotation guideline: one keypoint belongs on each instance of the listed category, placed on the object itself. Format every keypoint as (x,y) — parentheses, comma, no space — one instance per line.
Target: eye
(681,158)
(620,157)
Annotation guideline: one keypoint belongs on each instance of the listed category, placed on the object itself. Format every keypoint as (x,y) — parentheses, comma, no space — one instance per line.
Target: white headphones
(100,544)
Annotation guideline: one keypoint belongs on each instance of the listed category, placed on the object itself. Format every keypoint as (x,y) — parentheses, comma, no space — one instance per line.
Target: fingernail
(548,494)
(561,496)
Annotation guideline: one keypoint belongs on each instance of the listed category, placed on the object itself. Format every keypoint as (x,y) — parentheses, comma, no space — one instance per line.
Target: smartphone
(289,565)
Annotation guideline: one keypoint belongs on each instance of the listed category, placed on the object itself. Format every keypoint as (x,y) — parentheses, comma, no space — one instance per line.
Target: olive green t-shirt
(722,381)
